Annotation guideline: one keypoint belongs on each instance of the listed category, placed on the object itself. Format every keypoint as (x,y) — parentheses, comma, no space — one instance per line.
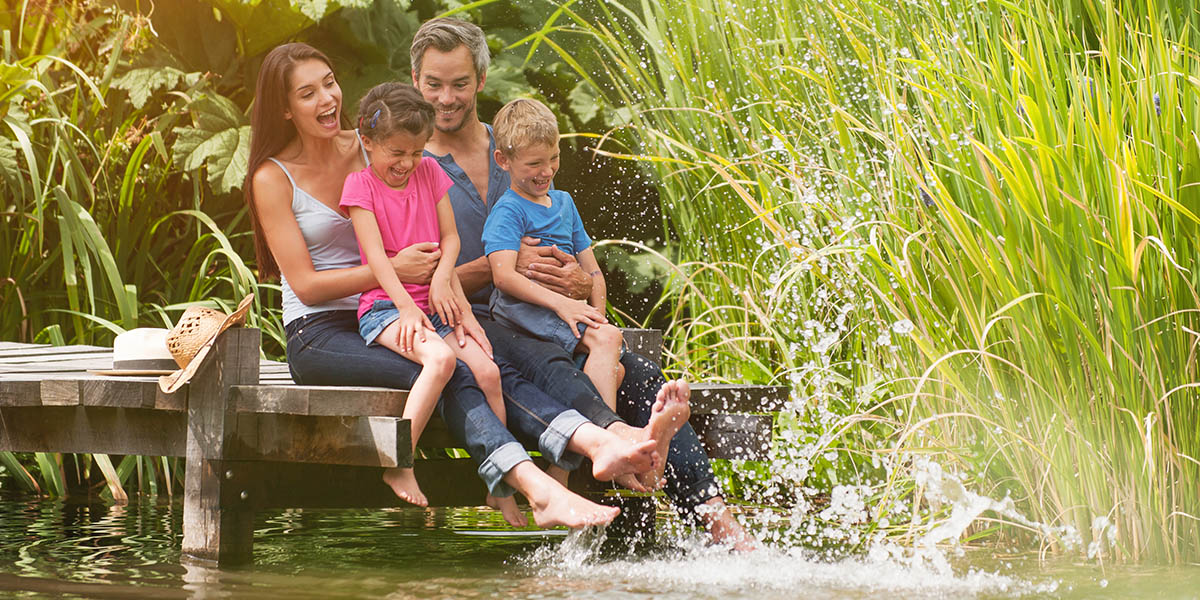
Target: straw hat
(141,351)
(192,337)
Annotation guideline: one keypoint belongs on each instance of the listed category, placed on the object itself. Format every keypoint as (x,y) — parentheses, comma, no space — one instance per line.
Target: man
(449,65)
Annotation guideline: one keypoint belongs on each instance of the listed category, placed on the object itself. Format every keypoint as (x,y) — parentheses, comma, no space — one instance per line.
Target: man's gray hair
(444,35)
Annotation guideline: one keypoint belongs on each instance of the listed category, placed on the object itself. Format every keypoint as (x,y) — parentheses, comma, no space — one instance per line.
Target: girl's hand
(578,311)
(413,325)
(443,301)
(470,328)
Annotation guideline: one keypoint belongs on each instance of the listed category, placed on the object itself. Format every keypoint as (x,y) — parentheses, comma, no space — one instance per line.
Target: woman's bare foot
(513,515)
(670,411)
(559,474)
(404,483)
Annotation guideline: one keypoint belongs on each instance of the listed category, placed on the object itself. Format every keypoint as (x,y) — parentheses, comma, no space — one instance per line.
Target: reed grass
(989,206)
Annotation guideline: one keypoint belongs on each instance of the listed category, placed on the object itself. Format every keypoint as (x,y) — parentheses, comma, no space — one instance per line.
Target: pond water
(52,549)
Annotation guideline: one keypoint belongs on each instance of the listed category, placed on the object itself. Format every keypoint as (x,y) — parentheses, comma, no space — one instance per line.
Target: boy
(526,134)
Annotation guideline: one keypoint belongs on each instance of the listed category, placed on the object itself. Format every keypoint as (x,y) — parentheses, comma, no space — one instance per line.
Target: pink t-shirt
(405,217)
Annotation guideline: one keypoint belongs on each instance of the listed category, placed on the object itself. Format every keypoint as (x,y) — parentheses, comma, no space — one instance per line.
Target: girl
(397,201)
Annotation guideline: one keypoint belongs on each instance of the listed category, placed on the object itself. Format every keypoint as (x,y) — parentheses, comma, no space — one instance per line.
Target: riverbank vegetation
(962,231)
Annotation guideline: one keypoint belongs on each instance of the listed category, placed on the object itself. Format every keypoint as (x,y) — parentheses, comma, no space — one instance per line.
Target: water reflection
(52,549)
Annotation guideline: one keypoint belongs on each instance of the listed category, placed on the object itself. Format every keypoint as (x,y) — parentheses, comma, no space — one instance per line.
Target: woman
(299,158)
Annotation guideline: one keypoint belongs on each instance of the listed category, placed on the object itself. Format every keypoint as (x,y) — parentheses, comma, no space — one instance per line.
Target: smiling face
(531,169)
(394,158)
(448,81)
(314,99)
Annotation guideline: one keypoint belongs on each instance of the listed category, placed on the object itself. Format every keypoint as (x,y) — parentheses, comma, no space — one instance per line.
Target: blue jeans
(325,349)
(545,365)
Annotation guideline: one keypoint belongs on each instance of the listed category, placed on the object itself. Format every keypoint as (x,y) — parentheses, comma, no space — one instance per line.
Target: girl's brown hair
(392,107)
(270,131)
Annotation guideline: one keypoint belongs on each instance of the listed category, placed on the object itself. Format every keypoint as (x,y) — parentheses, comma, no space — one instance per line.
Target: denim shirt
(470,212)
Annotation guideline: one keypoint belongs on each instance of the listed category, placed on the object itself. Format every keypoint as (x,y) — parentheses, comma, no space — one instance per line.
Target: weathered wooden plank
(647,342)
(320,400)
(734,437)
(20,392)
(60,392)
(56,357)
(735,397)
(36,350)
(360,441)
(92,429)
(19,345)
(255,485)
(212,529)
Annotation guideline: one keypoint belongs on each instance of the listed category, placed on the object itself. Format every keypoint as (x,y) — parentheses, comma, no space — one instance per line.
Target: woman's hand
(444,302)
(415,264)
(578,311)
(469,327)
(413,325)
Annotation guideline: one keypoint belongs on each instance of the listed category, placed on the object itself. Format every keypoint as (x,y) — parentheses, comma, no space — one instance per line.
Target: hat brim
(172,382)
(130,372)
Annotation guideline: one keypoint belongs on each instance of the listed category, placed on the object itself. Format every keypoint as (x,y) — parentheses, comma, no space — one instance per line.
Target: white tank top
(331,245)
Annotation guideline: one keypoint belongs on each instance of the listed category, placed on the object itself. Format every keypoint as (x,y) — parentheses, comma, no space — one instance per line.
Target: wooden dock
(253,439)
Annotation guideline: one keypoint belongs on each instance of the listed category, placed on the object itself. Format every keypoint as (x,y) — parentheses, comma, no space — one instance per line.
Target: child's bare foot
(558,473)
(572,510)
(725,528)
(615,457)
(671,410)
(630,481)
(404,483)
(513,515)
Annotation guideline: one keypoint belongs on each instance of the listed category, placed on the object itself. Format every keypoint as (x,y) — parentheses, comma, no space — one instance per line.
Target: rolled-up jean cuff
(691,498)
(604,418)
(497,464)
(554,440)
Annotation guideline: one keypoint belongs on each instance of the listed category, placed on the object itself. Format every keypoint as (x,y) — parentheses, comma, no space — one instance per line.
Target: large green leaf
(143,82)
(219,142)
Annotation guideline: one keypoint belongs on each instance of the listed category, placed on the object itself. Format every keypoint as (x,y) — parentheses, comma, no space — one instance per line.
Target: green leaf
(143,82)
(220,142)
(585,101)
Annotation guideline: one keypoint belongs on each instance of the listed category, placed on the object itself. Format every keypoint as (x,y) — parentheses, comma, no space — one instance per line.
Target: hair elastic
(375,118)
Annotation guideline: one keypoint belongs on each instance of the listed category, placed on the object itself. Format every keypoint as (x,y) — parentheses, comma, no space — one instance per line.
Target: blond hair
(522,123)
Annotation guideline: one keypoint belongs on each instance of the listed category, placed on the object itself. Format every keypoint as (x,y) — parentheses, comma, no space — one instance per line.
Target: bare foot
(725,529)
(572,510)
(507,506)
(630,481)
(670,412)
(404,483)
(615,457)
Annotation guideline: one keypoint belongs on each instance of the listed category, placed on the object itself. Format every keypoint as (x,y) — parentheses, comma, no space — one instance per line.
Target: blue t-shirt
(513,217)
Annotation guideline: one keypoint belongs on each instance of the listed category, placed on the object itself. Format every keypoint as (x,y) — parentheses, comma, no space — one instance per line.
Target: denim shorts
(537,321)
(383,312)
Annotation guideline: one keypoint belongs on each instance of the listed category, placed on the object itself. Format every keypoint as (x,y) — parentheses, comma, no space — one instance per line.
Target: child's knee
(440,360)
(606,337)
(487,375)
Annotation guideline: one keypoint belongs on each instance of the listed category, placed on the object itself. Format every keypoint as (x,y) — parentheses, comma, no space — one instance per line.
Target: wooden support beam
(737,398)
(214,530)
(647,342)
(360,441)
(92,430)
(734,437)
(320,400)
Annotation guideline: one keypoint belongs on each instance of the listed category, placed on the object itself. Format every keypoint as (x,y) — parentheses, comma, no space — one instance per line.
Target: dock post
(216,526)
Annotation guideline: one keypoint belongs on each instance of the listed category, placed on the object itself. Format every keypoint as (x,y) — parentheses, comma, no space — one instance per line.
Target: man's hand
(415,264)
(553,269)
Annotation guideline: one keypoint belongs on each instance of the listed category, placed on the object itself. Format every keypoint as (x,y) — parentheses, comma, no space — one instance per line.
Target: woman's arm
(442,298)
(273,203)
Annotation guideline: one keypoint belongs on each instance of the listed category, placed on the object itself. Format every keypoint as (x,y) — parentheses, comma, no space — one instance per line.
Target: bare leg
(437,362)
(486,373)
(671,410)
(603,364)
(554,505)
(558,473)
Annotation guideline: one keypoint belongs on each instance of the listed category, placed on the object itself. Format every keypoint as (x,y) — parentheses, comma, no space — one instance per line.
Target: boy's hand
(413,324)
(553,269)
(443,302)
(415,264)
(578,311)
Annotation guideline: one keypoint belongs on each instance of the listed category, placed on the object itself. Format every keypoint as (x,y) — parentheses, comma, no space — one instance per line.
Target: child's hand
(578,311)
(443,301)
(413,324)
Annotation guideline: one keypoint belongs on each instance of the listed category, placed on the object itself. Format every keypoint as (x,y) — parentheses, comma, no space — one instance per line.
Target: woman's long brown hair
(270,132)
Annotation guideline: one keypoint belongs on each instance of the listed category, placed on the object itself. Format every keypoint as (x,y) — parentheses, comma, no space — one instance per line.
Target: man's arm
(553,269)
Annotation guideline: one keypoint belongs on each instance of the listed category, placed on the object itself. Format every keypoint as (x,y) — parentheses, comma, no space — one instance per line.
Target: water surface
(53,549)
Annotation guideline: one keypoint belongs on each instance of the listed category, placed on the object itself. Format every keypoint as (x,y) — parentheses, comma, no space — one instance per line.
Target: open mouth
(328,118)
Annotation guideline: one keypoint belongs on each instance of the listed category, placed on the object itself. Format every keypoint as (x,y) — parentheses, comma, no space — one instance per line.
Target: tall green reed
(989,207)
